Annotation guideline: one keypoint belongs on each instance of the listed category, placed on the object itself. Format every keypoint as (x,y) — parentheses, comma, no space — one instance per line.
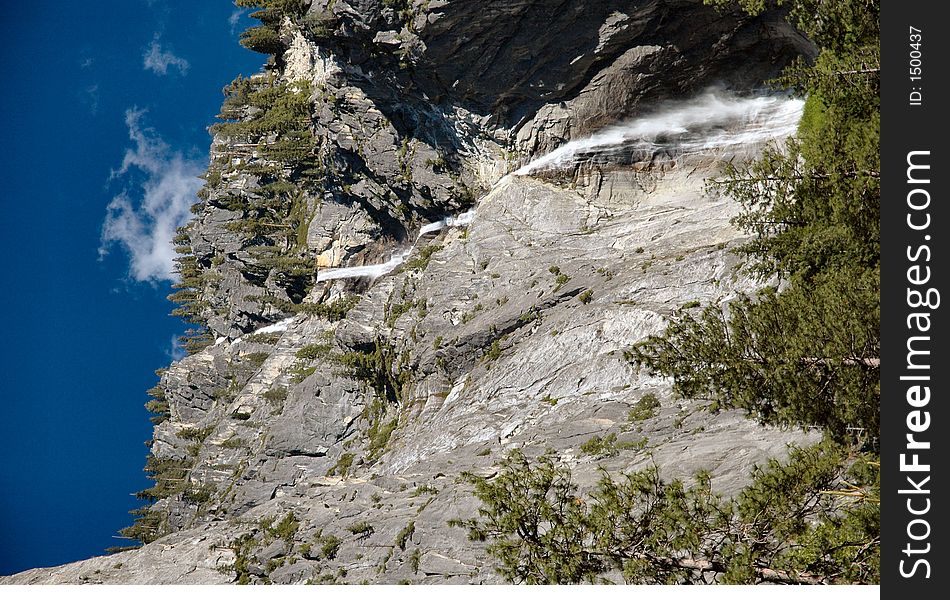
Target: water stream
(715,120)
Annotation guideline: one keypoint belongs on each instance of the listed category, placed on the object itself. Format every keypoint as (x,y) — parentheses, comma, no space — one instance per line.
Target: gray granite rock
(509,335)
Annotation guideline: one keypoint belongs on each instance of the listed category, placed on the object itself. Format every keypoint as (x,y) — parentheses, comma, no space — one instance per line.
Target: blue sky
(104,109)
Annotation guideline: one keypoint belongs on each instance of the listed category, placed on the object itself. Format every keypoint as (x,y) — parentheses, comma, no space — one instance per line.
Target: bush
(342,466)
(812,519)
(329,546)
(421,262)
(362,528)
(275,395)
(405,535)
(644,408)
(263,39)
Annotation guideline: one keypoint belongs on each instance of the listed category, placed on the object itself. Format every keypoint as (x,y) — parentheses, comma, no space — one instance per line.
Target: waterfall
(389,266)
(457,221)
(712,121)
(373,271)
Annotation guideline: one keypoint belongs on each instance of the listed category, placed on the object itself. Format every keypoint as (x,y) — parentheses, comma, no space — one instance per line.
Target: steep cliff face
(317,429)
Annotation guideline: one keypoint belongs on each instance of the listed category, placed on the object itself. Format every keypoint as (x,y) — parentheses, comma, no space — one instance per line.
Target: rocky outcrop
(320,436)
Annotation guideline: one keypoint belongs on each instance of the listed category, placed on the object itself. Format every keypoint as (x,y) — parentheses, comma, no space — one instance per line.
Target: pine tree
(804,351)
(813,519)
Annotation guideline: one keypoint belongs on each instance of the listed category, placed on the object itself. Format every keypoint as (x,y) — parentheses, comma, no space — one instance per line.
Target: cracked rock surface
(507,333)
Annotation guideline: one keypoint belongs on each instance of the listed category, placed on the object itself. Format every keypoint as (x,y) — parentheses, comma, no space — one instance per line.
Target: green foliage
(263,38)
(838,26)
(149,525)
(644,408)
(233,442)
(257,358)
(810,353)
(404,535)
(320,26)
(196,434)
(276,395)
(329,545)
(314,351)
(397,310)
(334,311)
(342,466)
(158,405)
(362,529)
(586,296)
(243,548)
(268,339)
(529,316)
(607,446)
(421,262)
(302,367)
(160,408)
(198,494)
(236,99)
(284,7)
(285,529)
(378,369)
(169,474)
(534,521)
(494,352)
(423,490)
(789,526)
(299,372)
(806,356)
(414,560)
(284,108)
(379,432)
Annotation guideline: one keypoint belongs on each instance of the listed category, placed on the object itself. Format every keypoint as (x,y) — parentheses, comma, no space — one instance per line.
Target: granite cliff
(316,431)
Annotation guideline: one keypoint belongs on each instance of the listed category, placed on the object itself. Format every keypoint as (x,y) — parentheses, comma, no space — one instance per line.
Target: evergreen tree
(804,351)
(813,519)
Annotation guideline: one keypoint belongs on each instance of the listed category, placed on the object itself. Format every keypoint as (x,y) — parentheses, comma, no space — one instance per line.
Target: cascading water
(372,271)
(379,270)
(713,121)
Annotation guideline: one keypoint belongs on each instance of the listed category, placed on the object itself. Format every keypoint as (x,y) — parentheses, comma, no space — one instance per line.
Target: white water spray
(277,327)
(457,221)
(712,121)
(389,266)
(372,271)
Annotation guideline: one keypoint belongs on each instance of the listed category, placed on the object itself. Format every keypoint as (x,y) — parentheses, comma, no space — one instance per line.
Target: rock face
(320,437)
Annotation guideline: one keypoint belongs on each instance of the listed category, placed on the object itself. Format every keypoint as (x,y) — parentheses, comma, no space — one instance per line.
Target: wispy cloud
(235,18)
(143,221)
(90,97)
(158,60)
(175,350)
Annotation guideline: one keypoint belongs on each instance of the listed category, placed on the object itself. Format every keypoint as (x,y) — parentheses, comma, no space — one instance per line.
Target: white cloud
(144,221)
(175,350)
(158,60)
(235,18)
